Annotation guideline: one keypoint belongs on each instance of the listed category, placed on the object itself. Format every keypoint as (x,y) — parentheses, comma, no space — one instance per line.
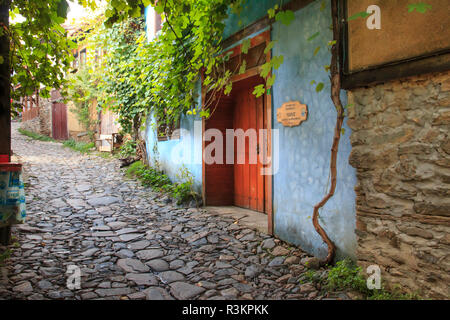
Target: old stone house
(57,118)
(391,206)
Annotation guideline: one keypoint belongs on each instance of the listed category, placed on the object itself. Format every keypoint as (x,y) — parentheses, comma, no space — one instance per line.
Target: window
(167,132)
(98,55)
(83,58)
(75,61)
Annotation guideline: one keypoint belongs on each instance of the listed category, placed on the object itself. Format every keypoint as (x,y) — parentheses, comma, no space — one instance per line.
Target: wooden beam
(268,179)
(438,63)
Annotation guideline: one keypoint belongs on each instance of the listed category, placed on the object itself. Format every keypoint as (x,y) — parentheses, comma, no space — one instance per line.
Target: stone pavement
(129,243)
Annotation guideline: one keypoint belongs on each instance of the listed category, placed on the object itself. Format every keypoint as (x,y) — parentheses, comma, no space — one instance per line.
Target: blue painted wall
(304,151)
(172,155)
(253,10)
(186,151)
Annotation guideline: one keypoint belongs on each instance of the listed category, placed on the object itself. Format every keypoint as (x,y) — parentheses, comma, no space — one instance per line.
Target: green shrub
(83,147)
(134,168)
(149,176)
(128,149)
(154,178)
(182,192)
(346,275)
(35,136)
(5,255)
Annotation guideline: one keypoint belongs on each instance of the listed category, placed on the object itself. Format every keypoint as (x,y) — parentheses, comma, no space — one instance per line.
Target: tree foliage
(161,77)
(40,50)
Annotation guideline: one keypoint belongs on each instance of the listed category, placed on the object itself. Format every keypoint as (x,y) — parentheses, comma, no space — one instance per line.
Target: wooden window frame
(171,133)
(83,57)
(76,61)
(436,62)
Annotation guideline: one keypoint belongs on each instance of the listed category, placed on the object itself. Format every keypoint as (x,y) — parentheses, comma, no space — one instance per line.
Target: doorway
(59,121)
(248,181)
(240,183)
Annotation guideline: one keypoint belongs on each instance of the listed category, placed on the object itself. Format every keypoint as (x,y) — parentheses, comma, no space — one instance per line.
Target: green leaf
(420,7)
(160,7)
(109,13)
(332,43)
(316,51)
(136,12)
(228,88)
(285,17)
(243,67)
(63,7)
(245,46)
(320,86)
(146,3)
(259,90)
(204,113)
(2,60)
(119,5)
(277,61)
(265,69)
(270,81)
(315,35)
(269,47)
(271,13)
(362,14)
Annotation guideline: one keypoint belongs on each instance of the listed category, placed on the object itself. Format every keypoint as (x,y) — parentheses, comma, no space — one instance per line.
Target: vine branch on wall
(335,97)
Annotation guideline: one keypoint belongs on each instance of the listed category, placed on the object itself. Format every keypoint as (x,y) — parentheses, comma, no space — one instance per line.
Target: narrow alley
(130,244)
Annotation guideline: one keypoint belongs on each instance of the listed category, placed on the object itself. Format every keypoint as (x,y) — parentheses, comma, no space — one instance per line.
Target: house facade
(299,172)
(57,118)
(45,116)
(390,208)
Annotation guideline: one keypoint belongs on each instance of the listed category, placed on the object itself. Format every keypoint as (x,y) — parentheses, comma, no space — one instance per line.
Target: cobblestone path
(130,244)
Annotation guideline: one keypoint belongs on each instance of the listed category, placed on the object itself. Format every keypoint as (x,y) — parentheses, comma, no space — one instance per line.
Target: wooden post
(5,83)
(5,101)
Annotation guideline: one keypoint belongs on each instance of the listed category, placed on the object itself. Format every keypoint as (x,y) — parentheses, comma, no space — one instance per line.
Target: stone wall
(401,150)
(32,125)
(42,124)
(45,116)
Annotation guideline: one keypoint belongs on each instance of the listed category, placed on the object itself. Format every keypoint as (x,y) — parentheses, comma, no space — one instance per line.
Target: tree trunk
(335,97)
(5,100)
(136,127)
(5,83)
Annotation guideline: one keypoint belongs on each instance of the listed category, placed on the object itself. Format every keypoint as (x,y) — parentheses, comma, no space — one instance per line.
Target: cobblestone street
(130,243)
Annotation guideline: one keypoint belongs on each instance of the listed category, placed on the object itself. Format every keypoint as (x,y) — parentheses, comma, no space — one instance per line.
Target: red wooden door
(59,121)
(248,181)
(219,177)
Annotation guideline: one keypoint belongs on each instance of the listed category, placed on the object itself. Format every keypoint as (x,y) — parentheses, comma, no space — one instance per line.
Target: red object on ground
(10,167)
(4,158)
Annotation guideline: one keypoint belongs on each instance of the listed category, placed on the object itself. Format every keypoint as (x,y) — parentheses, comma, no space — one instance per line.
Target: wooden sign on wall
(401,36)
(292,113)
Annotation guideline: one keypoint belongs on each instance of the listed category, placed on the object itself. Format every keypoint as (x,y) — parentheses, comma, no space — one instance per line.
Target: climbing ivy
(40,50)
(162,77)
(83,91)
